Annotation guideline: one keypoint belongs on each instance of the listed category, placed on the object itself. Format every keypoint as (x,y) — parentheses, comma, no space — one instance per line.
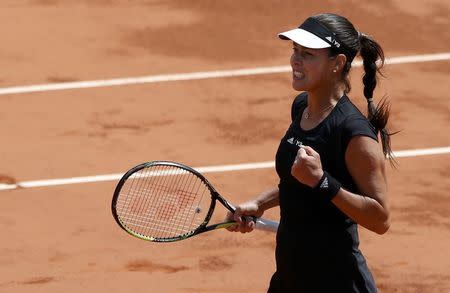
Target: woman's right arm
(256,207)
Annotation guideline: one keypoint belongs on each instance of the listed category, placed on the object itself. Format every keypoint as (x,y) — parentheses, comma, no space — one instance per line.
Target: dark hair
(370,51)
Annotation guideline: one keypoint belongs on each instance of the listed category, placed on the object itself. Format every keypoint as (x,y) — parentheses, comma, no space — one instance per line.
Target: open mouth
(298,74)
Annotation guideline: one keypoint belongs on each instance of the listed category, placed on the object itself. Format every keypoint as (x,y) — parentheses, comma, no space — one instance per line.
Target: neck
(323,97)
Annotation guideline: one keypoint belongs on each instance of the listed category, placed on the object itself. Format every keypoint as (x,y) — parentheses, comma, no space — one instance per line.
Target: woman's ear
(339,62)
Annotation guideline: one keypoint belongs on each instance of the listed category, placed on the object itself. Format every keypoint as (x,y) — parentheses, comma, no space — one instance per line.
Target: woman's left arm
(366,164)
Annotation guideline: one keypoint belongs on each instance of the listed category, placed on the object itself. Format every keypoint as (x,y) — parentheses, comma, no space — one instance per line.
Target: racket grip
(266,225)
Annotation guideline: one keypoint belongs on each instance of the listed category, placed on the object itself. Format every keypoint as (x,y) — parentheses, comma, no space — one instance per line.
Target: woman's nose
(296,59)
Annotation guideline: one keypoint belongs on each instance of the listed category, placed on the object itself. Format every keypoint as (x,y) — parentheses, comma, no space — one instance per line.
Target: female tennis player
(330,164)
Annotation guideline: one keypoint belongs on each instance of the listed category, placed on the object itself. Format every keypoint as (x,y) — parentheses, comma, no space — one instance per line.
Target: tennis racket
(164,201)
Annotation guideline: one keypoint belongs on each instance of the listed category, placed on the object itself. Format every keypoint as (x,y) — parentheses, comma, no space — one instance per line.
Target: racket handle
(260,223)
(266,225)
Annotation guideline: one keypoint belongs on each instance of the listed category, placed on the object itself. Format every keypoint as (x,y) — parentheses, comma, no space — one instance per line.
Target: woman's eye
(301,54)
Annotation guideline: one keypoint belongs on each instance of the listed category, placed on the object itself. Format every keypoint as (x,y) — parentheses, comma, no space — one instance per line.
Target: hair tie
(370,100)
(360,34)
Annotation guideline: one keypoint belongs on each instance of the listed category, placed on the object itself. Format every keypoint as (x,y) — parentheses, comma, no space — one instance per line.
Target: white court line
(196,75)
(208,169)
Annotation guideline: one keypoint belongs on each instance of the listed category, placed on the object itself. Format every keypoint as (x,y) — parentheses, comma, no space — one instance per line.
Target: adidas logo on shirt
(295,141)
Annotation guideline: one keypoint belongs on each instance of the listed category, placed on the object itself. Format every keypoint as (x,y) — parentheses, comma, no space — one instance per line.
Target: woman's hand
(242,216)
(307,168)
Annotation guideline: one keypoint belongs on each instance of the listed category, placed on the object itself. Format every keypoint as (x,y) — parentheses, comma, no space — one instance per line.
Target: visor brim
(304,38)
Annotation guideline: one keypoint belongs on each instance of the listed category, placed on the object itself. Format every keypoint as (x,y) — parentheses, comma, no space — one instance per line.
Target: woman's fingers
(237,216)
(307,167)
(244,227)
(310,151)
(247,225)
(301,155)
(243,224)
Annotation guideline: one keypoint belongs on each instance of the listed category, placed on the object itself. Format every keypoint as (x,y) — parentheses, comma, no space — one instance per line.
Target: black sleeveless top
(317,245)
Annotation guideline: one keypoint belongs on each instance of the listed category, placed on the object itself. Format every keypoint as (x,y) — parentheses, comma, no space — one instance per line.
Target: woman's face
(311,68)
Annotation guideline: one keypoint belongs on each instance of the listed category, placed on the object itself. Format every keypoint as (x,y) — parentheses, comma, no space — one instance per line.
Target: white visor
(304,38)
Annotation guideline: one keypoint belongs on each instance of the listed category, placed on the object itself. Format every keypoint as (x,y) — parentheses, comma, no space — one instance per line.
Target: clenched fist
(307,167)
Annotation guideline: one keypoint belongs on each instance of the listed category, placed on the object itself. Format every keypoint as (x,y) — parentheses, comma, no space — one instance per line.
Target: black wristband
(327,187)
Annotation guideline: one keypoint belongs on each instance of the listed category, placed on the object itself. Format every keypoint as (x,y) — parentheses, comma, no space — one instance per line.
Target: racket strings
(187,196)
(163,202)
(143,215)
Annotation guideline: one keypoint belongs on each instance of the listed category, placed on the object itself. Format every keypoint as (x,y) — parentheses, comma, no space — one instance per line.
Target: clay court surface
(64,239)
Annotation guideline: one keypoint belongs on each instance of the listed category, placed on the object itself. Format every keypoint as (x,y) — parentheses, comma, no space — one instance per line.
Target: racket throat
(223,201)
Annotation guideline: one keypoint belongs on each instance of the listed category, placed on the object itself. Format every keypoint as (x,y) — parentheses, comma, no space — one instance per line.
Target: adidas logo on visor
(333,41)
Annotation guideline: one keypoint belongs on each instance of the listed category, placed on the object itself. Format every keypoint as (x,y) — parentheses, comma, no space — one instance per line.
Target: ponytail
(373,60)
(378,116)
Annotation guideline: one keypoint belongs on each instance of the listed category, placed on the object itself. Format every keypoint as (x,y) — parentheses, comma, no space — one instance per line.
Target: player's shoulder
(350,120)
(346,111)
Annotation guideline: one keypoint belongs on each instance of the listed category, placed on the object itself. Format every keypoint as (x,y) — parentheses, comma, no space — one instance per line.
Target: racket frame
(200,229)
